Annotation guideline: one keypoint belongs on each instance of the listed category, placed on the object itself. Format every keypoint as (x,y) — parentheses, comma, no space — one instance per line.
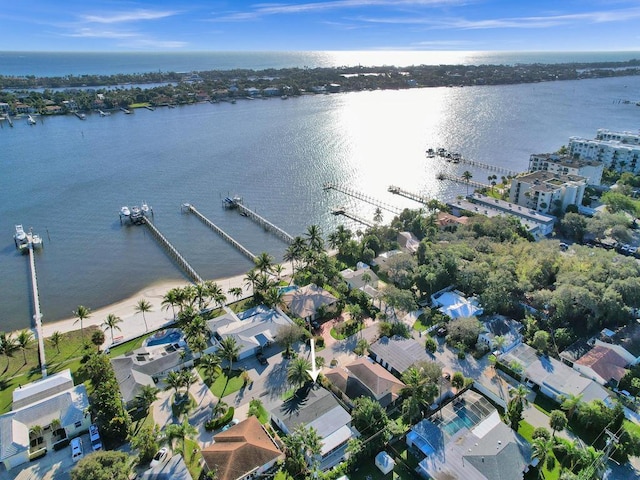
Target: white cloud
(90,33)
(126,17)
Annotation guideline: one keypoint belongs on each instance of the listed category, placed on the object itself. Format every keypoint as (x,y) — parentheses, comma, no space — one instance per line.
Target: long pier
(173,252)
(410,195)
(453,178)
(345,213)
(36,307)
(363,197)
(264,223)
(474,163)
(219,231)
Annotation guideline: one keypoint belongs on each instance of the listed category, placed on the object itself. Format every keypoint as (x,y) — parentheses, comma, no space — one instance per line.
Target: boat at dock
(431,152)
(30,120)
(128,112)
(125,212)
(81,116)
(20,238)
(104,114)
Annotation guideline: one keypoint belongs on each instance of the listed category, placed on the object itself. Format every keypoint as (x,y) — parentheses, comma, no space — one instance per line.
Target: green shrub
(216,423)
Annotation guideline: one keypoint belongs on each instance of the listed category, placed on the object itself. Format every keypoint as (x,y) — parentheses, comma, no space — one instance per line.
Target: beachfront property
(309,302)
(252,329)
(544,191)
(455,304)
(553,377)
(618,150)
(397,354)
(467,440)
(162,352)
(507,329)
(365,378)
(538,224)
(29,429)
(314,406)
(244,451)
(591,170)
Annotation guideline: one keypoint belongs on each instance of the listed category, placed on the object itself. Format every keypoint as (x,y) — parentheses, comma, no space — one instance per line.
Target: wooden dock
(37,315)
(190,208)
(173,252)
(363,197)
(342,211)
(264,223)
(473,163)
(453,178)
(410,195)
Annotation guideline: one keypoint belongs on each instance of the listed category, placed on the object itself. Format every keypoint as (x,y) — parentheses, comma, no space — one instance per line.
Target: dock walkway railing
(36,308)
(266,224)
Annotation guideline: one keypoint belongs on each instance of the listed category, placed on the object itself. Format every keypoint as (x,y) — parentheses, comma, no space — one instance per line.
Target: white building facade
(544,191)
(591,170)
(618,150)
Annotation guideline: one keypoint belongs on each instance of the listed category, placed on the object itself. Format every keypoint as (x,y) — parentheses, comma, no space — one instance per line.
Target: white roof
(33,392)
(336,439)
(455,305)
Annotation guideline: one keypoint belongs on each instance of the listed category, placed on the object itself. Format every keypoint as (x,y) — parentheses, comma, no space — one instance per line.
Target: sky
(289,25)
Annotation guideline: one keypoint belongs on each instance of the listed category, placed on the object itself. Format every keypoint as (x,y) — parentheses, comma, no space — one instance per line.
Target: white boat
(136,213)
(20,237)
(125,211)
(30,120)
(104,114)
(144,208)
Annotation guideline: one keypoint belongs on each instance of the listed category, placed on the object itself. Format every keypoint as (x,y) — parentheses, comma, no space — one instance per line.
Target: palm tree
(81,313)
(250,279)
(188,378)
(570,403)
(314,238)
(112,322)
(304,442)
(263,262)
(56,339)
(215,293)
(377,216)
(499,342)
(211,365)
(24,340)
(273,298)
(202,293)
(540,449)
(557,421)
(236,292)
(297,372)
(295,252)
(148,394)
(467,176)
(229,350)
(416,392)
(180,432)
(278,270)
(7,346)
(143,306)
(173,380)
(171,299)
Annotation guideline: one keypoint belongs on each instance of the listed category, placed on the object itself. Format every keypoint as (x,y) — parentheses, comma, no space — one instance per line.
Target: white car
(160,457)
(76,449)
(94,435)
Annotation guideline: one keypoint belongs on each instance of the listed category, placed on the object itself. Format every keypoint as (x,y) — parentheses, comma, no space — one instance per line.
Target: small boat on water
(81,116)
(30,120)
(124,211)
(20,237)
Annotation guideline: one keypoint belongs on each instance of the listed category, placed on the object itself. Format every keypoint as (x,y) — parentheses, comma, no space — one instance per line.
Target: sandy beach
(132,323)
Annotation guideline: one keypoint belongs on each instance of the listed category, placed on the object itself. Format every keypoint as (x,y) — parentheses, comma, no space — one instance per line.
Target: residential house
(243,451)
(408,242)
(574,351)
(454,304)
(252,329)
(553,377)
(446,220)
(603,365)
(308,302)
(466,440)
(625,341)
(23,108)
(355,280)
(140,367)
(42,403)
(4,108)
(173,469)
(397,354)
(382,259)
(365,378)
(316,407)
(507,329)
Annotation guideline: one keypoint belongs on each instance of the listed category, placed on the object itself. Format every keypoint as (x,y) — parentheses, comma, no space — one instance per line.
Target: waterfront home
(397,354)
(544,191)
(466,440)
(252,329)
(309,302)
(507,329)
(553,377)
(454,304)
(243,451)
(313,406)
(382,259)
(4,108)
(408,242)
(446,220)
(23,108)
(355,280)
(365,378)
(30,429)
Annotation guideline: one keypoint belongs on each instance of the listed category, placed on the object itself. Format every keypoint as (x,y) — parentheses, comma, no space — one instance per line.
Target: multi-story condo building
(545,191)
(618,150)
(591,170)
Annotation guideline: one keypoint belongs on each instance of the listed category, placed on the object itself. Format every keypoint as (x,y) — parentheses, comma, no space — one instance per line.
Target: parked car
(94,436)
(262,359)
(160,457)
(76,449)
(234,421)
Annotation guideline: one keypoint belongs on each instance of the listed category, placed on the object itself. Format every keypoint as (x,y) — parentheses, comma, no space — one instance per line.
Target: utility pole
(592,471)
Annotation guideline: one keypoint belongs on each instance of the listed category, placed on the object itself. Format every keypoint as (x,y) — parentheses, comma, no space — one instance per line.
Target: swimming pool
(287,289)
(462,420)
(162,337)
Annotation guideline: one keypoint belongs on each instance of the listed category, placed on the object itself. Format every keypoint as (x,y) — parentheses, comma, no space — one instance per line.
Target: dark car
(262,359)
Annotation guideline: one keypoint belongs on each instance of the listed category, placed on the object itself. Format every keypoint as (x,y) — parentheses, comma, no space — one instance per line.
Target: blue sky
(232,25)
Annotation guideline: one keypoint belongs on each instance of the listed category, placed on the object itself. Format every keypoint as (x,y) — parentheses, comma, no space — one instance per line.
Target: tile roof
(605,362)
(377,379)
(240,450)
(305,301)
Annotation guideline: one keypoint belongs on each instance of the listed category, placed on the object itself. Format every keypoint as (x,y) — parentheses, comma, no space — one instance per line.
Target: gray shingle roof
(399,353)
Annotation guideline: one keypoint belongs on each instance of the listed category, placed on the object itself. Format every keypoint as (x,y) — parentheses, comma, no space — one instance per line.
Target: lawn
(526,430)
(224,385)
(346,329)
(192,458)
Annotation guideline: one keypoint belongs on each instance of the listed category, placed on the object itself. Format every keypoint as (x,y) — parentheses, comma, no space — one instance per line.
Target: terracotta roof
(240,450)
(445,219)
(375,377)
(305,301)
(605,362)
